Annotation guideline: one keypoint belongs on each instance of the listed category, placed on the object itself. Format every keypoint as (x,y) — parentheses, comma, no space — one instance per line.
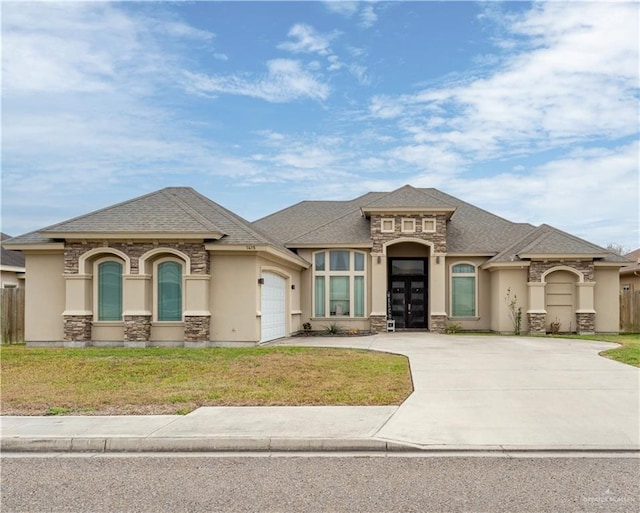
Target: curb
(230,444)
(198,444)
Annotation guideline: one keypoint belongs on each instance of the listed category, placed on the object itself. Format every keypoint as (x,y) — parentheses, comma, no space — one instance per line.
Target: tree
(616,248)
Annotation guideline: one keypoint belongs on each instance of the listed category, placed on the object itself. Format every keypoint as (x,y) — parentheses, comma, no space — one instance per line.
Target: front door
(408,293)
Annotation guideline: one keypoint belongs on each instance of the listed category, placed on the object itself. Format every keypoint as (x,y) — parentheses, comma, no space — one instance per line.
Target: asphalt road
(319,484)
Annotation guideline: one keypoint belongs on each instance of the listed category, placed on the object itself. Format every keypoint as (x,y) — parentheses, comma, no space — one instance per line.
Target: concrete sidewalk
(471,394)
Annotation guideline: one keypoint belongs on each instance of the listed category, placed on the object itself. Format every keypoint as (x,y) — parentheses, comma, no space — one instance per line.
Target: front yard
(100,381)
(628,352)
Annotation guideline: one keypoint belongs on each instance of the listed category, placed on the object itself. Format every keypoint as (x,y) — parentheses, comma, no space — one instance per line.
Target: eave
(340,245)
(124,235)
(561,256)
(254,249)
(367,211)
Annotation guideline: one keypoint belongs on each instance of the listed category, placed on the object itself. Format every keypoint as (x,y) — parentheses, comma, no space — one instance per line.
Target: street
(320,483)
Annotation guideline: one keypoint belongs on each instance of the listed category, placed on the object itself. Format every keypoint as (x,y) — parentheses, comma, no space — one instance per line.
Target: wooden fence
(630,310)
(12,315)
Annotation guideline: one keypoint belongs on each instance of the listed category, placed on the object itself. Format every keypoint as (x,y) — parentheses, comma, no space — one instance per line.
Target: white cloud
(306,40)
(574,77)
(368,16)
(345,8)
(284,81)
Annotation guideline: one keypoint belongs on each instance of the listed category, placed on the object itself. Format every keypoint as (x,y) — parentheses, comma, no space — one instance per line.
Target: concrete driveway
(508,392)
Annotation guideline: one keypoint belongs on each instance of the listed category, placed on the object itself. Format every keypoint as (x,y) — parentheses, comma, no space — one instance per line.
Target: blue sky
(529,110)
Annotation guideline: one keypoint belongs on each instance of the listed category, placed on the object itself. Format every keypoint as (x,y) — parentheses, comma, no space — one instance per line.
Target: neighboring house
(174,268)
(630,273)
(11,267)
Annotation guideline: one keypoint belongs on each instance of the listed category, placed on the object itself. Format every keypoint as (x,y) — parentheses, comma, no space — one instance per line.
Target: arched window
(339,283)
(169,282)
(463,290)
(110,291)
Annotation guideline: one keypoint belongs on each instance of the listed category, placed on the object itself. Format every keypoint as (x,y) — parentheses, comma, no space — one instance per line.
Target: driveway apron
(508,392)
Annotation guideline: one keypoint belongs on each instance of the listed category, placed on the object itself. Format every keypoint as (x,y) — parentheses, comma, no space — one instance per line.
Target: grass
(628,352)
(99,381)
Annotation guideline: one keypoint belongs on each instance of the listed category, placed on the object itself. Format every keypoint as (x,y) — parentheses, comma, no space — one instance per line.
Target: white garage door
(273,307)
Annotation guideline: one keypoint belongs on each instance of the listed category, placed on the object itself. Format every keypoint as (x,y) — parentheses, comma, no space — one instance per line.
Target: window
(169,281)
(110,291)
(463,290)
(428,225)
(388,225)
(408,225)
(339,290)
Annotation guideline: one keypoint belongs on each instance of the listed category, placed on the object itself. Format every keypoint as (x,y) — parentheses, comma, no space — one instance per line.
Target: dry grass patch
(96,381)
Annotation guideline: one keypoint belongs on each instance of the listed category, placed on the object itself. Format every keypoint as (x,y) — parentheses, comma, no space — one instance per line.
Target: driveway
(514,392)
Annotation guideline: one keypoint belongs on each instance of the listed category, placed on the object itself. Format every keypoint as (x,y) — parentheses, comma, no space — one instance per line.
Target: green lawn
(628,352)
(95,381)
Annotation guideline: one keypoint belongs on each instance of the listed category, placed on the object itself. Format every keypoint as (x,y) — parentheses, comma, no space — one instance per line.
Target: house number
(251,247)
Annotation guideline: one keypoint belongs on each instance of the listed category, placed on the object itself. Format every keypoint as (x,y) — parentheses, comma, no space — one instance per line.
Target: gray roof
(634,262)
(180,211)
(547,240)
(10,258)
(470,230)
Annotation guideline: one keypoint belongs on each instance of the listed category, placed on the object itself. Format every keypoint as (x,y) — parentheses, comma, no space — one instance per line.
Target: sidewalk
(505,394)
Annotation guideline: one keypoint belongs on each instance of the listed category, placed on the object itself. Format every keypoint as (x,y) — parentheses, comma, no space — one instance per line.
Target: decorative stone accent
(586,323)
(378,323)
(537,269)
(197,328)
(438,238)
(537,323)
(77,328)
(137,328)
(200,261)
(438,323)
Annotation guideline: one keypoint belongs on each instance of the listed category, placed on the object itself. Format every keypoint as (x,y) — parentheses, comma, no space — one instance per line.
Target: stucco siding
(235,297)
(482,320)
(501,281)
(44,297)
(607,300)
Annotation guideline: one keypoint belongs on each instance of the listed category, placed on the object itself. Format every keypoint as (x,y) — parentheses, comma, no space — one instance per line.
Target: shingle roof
(173,210)
(547,240)
(408,197)
(634,257)
(10,258)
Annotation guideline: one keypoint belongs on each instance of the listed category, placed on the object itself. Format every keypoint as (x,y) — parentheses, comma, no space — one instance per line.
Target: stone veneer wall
(196,328)
(378,323)
(537,323)
(200,262)
(77,328)
(536,269)
(137,328)
(586,323)
(438,238)
(438,323)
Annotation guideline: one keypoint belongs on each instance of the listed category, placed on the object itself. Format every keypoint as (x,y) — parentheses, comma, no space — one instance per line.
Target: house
(11,267)
(630,273)
(174,268)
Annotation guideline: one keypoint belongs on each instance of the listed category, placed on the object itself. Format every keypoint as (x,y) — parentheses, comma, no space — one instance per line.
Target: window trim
(96,288)
(327,274)
(411,220)
(426,220)
(393,224)
(473,275)
(156,275)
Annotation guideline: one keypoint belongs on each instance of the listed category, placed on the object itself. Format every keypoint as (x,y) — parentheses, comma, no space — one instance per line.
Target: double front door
(408,292)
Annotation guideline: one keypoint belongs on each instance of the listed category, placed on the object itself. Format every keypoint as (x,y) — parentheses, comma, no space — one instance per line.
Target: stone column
(585,312)
(197,317)
(437,293)
(78,313)
(137,310)
(537,313)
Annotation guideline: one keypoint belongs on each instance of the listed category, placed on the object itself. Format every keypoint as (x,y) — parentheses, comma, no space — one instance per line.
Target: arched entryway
(408,284)
(560,300)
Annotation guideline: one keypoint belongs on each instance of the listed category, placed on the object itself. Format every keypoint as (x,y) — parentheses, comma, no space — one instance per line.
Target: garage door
(273,307)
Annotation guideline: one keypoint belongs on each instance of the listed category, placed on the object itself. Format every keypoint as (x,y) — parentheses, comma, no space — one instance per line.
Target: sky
(528,110)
